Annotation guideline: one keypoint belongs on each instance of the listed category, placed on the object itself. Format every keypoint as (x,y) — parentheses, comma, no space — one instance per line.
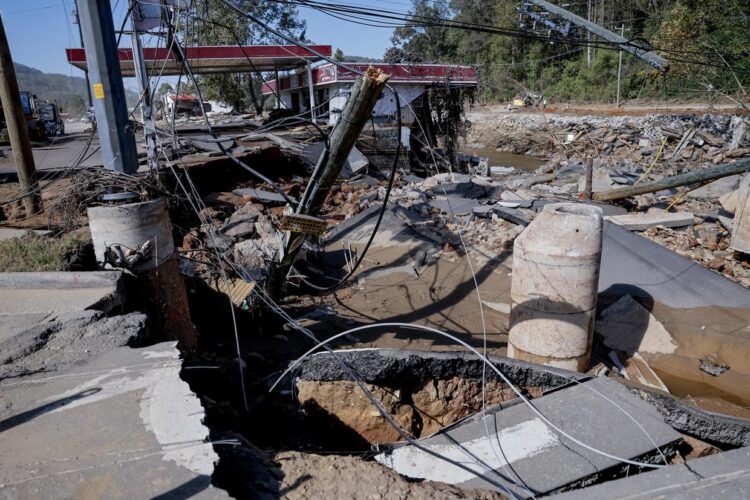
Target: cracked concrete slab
(121,425)
(59,292)
(725,475)
(634,265)
(530,457)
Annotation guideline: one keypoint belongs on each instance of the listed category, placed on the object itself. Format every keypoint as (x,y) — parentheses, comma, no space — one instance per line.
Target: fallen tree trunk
(698,176)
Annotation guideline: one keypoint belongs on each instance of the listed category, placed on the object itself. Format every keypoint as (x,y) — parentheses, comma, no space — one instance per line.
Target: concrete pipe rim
(574,209)
(144,204)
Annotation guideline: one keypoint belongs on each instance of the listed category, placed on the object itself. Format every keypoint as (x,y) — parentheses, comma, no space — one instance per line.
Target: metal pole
(278,88)
(588,37)
(15,121)
(116,137)
(85,72)
(619,67)
(144,87)
(311,91)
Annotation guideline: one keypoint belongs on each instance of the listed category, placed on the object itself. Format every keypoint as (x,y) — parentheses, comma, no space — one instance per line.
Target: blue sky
(39,31)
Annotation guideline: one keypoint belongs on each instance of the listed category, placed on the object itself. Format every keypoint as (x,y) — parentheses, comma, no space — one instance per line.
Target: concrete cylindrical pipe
(130,226)
(555,282)
(741,229)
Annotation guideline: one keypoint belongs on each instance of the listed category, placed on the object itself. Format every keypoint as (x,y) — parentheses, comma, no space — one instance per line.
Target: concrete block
(628,326)
(512,215)
(643,221)
(521,448)
(716,189)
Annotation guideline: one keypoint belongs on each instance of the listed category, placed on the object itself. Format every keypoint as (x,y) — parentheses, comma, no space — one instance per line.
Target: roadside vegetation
(33,252)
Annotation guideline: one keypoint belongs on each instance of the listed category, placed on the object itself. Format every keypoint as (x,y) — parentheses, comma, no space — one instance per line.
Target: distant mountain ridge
(68,91)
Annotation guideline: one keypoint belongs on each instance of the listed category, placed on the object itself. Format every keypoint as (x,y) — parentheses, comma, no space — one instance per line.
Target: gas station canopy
(214,59)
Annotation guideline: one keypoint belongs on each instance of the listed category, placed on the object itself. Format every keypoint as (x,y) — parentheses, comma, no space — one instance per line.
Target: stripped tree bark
(697,176)
(364,94)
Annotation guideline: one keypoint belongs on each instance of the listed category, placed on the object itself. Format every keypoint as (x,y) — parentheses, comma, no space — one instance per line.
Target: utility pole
(649,57)
(144,87)
(588,37)
(116,137)
(619,66)
(364,94)
(18,132)
(77,22)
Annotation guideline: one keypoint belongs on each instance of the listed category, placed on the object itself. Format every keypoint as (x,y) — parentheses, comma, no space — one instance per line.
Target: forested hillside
(68,91)
(707,43)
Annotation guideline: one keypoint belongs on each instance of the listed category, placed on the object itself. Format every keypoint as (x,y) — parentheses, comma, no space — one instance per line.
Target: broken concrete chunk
(711,366)
(638,370)
(600,181)
(484,211)
(716,189)
(260,195)
(240,229)
(642,221)
(512,215)
(729,201)
(629,327)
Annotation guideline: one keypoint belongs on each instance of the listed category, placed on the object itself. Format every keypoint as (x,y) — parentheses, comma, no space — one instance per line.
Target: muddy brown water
(443,297)
(504,159)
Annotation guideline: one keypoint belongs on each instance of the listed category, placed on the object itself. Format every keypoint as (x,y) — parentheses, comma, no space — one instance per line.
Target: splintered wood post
(696,176)
(364,94)
(18,133)
(589,164)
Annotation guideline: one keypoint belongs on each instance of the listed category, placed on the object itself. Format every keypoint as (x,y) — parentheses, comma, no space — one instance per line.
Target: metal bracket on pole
(311,90)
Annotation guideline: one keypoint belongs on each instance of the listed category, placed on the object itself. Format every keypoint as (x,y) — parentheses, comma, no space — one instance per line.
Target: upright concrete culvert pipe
(130,225)
(555,282)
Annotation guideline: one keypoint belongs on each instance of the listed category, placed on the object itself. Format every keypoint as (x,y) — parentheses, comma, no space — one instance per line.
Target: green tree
(421,40)
(339,55)
(222,25)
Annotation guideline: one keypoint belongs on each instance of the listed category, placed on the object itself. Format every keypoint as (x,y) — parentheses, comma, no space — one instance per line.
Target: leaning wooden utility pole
(694,177)
(364,94)
(18,132)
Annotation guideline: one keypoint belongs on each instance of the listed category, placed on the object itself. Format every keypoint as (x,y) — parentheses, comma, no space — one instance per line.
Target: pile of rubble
(677,140)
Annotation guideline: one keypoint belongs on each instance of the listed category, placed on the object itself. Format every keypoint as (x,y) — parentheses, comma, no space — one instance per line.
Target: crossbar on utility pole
(116,136)
(18,132)
(649,57)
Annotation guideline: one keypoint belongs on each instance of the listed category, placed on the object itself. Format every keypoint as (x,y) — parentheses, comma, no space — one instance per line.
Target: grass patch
(32,252)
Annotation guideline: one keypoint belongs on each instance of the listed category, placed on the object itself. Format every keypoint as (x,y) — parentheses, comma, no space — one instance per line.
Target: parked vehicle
(37,130)
(50,116)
